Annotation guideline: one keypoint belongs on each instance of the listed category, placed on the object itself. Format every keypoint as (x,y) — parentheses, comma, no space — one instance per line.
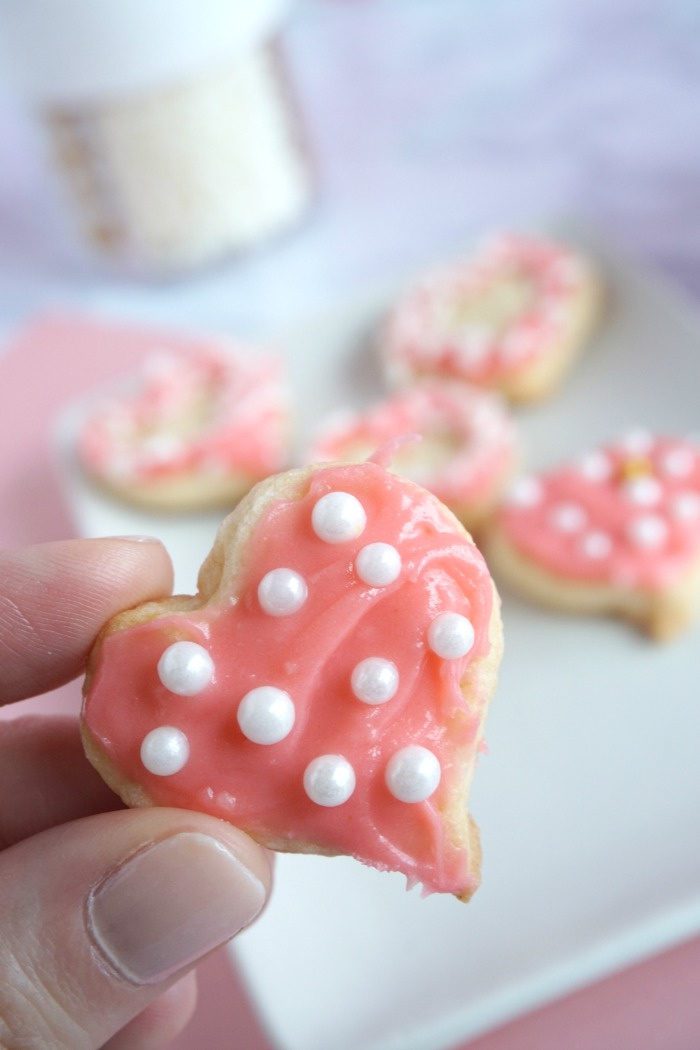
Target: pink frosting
(212,407)
(475,425)
(311,655)
(627,514)
(424,333)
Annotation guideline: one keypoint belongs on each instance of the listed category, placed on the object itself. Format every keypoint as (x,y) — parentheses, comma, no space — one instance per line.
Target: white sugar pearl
(568,517)
(161,447)
(160,363)
(596,545)
(282,592)
(375,680)
(185,668)
(678,462)
(526,492)
(378,564)
(515,344)
(648,531)
(686,506)
(475,343)
(412,774)
(329,780)
(554,312)
(595,466)
(451,635)
(121,465)
(338,517)
(637,441)
(165,751)
(645,491)
(266,715)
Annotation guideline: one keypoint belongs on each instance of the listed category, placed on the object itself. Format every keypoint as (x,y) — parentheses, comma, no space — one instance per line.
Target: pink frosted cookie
(326,688)
(197,428)
(467,452)
(616,532)
(512,318)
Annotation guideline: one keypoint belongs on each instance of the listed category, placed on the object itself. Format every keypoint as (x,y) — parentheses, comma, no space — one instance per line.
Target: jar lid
(81,50)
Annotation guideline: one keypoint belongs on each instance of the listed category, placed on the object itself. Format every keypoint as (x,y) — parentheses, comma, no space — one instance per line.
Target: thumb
(100,916)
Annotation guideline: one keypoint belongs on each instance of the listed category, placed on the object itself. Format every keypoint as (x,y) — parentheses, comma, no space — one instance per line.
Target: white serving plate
(588,800)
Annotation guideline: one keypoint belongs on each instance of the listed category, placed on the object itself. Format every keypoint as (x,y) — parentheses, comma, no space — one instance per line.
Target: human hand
(105,910)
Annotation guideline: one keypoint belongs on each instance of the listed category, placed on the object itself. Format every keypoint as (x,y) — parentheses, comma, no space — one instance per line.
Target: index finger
(55,598)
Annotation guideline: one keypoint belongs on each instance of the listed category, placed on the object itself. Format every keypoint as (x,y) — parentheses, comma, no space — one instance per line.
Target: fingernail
(135,539)
(171,903)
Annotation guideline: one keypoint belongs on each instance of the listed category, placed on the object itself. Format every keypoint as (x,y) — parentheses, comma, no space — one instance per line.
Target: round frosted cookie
(467,450)
(196,428)
(513,317)
(617,531)
(326,688)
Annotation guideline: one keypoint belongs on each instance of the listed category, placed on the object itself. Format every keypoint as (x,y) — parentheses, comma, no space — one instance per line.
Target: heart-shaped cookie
(197,427)
(326,689)
(467,450)
(513,317)
(617,531)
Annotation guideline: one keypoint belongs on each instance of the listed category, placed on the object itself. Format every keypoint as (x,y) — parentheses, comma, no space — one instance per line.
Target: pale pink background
(430,121)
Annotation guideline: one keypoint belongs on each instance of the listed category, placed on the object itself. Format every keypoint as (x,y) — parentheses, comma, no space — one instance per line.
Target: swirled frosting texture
(484,318)
(310,654)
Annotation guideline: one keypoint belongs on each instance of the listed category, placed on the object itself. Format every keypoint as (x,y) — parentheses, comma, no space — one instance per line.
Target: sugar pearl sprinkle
(567,517)
(185,668)
(378,564)
(266,715)
(338,517)
(164,751)
(329,780)
(644,491)
(412,774)
(451,635)
(648,531)
(526,492)
(375,680)
(282,592)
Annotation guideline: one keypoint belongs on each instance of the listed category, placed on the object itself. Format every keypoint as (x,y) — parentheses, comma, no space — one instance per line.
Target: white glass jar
(171,121)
